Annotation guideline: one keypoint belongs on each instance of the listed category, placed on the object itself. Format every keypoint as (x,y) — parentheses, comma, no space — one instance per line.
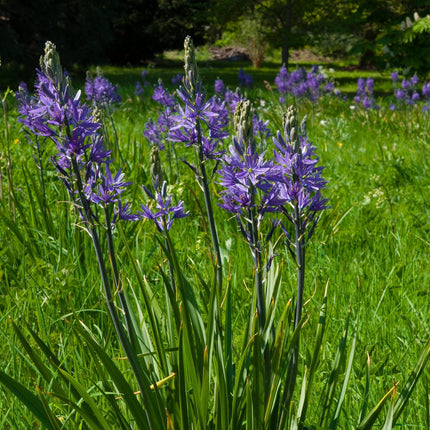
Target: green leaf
(52,418)
(32,402)
(412,381)
(127,392)
(98,417)
(372,416)
(335,419)
(335,372)
(304,401)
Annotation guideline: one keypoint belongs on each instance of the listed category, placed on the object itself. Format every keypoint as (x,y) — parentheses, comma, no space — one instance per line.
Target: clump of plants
(185,365)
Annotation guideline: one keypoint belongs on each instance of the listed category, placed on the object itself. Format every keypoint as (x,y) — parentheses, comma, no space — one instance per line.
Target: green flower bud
(243,123)
(192,80)
(156,172)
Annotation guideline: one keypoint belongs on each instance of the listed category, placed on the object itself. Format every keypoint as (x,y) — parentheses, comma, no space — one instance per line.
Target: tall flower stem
(117,280)
(11,203)
(261,303)
(256,253)
(142,382)
(209,210)
(300,260)
(193,86)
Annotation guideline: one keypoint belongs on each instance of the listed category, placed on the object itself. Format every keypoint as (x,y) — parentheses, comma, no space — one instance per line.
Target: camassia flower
(156,131)
(200,122)
(82,161)
(164,212)
(301,183)
(245,173)
(101,91)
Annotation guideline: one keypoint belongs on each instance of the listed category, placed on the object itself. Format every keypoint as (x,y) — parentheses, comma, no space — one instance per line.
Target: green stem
(11,203)
(142,382)
(117,281)
(293,365)
(261,302)
(209,210)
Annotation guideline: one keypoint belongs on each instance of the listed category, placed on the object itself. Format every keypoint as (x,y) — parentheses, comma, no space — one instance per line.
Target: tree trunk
(287,34)
(285,54)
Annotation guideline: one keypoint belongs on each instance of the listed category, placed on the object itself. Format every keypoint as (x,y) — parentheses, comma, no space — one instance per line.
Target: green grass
(372,245)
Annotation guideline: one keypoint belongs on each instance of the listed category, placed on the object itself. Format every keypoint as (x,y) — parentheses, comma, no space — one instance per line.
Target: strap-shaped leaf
(32,402)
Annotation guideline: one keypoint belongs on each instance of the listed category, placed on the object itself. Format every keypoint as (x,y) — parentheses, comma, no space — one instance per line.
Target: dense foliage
(133,31)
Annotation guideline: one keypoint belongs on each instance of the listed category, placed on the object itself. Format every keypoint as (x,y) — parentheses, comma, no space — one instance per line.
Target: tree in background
(337,27)
(278,23)
(89,32)
(80,28)
(407,45)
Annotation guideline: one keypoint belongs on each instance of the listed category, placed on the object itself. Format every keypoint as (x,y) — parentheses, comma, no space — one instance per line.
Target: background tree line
(133,31)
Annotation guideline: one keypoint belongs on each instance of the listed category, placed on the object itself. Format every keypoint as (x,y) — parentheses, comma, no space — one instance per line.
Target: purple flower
(162,96)
(406,84)
(81,161)
(219,87)
(106,188)
(164,212)
(243,174)
(394,76)
(361,86)
(367,104)
(101,92)
(210,114)
(414,80)
(329,86)
(123,212)
(364,94)
(426,90)
(177,79)
(154,134)
(300,83)
(139,90)
(400,94)
(301,182)
(245,79)
(415,96)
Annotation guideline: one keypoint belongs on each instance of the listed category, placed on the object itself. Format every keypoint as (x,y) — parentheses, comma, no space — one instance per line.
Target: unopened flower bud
(243,123)
(50,62)
(97,115)
(156,172)
(191,73)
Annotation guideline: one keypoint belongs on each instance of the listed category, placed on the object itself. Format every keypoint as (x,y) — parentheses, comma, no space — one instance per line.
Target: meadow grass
(372,246)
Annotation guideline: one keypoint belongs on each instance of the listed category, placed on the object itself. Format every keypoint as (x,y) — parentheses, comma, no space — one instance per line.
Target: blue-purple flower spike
(83,165)
(164,212)
(82,161)
(101,92)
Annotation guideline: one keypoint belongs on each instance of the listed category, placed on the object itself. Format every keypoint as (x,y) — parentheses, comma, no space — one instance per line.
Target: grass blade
(411,382)
(32,402)
(370,419)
